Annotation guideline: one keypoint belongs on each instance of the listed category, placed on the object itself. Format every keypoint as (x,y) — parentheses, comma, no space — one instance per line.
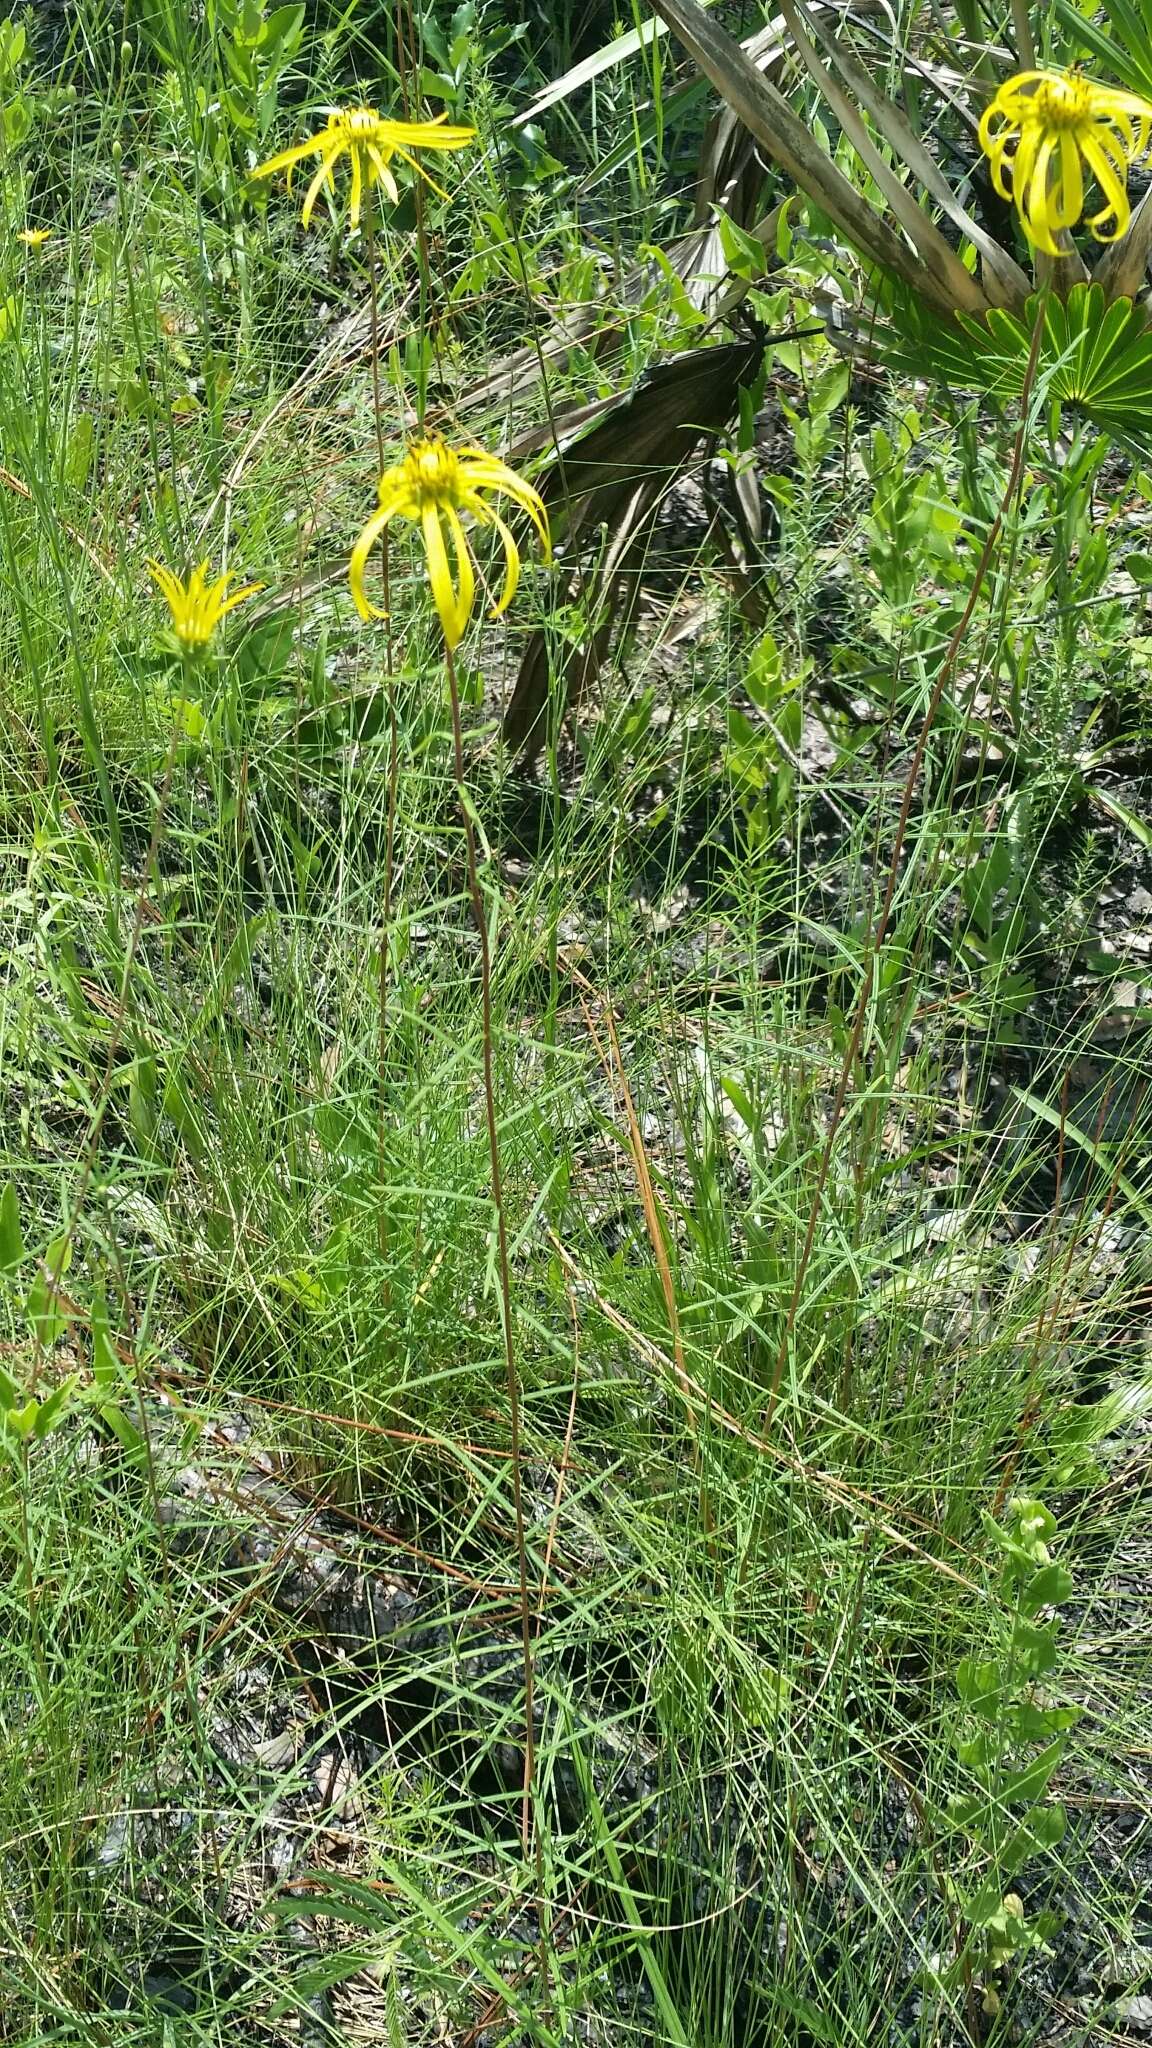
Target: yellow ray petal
(287,157)
(465,574)
(323,177)
(1069,196)
(511,565)
(439,576)
(1115,192)
(424,134)
(358,562)
(381,170)
(238,596)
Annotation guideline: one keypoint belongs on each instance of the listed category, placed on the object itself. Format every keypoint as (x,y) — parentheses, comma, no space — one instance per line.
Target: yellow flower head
(1045,127)
(432,486)
(34,238)
(370,143)
(196,605)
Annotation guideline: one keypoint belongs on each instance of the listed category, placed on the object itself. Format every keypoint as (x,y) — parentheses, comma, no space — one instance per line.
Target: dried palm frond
(614,462)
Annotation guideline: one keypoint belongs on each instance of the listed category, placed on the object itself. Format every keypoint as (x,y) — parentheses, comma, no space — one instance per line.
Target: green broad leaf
(965,1810)
(1137,826)
(1046,1926)
(78,450)
(21,1421)
(52,1409)
(1051,1585)
(978,1753)
(280,34)
(744,254)
(1038,1724)
(983,1908)
(303,1286)
(43,1304)
(13,43)
(1032,1781)
(1034,1649)
(1043,1830)
(129,1438)
(11,1235)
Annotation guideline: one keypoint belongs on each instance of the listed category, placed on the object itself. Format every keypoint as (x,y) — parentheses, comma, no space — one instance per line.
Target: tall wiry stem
(393,735)
(481,921)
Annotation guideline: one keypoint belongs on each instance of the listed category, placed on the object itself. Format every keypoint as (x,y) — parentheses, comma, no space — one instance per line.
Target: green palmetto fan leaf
(1095,356)
(1123,47)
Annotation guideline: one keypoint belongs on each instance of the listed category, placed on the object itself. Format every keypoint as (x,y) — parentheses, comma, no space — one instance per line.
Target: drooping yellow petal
(1034,201)
(1046,128)
(380,170)
(1115,193)
(357,193)
(488,473)
(432,487)
(1070,196)
(424,134)
(1021,165)
(511,564)
(419,170)
(323,177)
(370,141)
(285,159)
(465,574)
(359,562)
(439,576)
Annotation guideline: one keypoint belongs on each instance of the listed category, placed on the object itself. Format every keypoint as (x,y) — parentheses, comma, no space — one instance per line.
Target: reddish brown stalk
(393,736)
(502,1261)
(880,932)
(654,1224)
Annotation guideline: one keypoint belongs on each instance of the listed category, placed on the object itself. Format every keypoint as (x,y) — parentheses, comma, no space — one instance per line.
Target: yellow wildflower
(34,238)
(432,486)
(1045,127)
(196,605)
(370,142)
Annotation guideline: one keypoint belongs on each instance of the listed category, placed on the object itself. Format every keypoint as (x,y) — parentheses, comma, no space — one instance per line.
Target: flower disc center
(434,468)
(1063,102)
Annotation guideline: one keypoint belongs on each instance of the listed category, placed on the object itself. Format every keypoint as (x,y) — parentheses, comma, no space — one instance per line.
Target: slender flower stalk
(1047,128)
(369,142)
(432,486)
(197,606)
(503,1262)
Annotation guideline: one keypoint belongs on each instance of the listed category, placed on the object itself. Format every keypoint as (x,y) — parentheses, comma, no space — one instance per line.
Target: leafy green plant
(27,1414)
(763,746)
(1011,1739)
(15,101)
(258,47)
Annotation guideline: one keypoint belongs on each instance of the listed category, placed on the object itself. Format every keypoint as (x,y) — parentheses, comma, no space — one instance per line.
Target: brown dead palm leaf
(614,462)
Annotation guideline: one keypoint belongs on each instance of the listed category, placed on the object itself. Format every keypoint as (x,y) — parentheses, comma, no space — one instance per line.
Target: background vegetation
(810,795)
